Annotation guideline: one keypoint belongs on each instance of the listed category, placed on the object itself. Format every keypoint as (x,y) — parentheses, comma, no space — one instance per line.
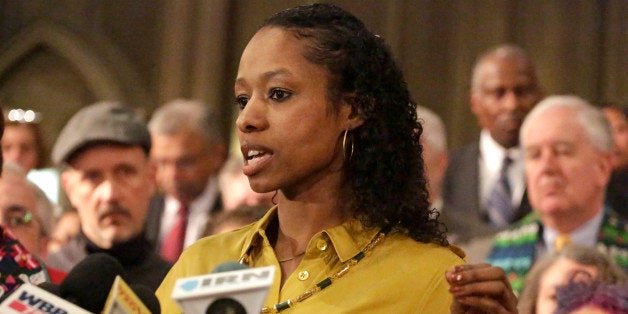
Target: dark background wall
(57,56)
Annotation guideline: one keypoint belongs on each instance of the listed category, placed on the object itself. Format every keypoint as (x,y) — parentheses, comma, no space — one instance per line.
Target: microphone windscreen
(228,266)
(88,283)
(50,287)
(148,297)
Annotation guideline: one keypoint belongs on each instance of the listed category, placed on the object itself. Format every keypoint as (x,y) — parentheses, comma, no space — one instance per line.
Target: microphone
(123,300)
(28,299)
(148,297)
(88,283)
(230,288)
(50,287)
(229,266)
(96,284)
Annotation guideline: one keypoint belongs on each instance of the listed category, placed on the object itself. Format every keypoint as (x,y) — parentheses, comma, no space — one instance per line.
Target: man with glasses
(27,214)
(25,210)
(189,148)
(103,152)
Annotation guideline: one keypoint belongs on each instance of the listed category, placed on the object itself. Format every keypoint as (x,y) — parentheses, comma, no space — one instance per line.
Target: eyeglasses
(23,116)
(16,216)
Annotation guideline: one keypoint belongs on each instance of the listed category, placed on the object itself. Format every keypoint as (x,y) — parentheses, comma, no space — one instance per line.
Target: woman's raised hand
(480,288)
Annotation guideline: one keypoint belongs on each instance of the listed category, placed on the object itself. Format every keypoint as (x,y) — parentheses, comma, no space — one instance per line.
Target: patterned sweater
(514,249)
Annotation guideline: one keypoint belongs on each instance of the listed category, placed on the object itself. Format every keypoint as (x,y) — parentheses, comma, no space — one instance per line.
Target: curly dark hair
(384,175)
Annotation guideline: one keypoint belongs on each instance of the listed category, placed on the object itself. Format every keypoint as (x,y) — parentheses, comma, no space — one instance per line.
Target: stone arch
(100,79)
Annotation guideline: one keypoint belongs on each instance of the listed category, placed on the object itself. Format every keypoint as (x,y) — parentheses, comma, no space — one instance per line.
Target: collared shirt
(492,156)
(585,235)
(398,275)
(198,213)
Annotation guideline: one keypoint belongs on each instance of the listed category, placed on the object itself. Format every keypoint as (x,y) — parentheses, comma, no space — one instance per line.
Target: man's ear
(474,102)
(65,177)
(66,184)
(605,167)
(151,175)
(43,247)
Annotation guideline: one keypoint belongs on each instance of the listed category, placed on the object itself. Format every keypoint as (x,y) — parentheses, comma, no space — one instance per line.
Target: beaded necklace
(325,282)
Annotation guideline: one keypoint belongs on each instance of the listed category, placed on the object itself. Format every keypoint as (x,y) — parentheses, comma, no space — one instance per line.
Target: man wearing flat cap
(106,174)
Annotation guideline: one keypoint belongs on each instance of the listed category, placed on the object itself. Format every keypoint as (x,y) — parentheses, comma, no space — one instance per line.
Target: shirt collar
(348,238)
(493,154)
(584,235)
(256,238)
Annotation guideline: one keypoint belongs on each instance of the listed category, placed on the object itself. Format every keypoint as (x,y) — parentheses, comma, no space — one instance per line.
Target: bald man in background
(484,185)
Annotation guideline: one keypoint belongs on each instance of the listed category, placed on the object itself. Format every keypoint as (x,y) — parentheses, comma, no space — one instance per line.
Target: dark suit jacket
(155,211)
(617,192)
(461,201)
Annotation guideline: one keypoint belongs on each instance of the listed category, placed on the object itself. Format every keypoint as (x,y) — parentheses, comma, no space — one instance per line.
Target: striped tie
(499,202)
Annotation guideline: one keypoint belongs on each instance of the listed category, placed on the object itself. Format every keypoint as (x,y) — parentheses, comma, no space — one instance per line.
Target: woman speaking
(326,120)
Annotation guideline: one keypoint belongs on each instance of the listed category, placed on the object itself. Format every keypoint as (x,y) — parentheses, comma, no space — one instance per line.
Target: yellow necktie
(562,241)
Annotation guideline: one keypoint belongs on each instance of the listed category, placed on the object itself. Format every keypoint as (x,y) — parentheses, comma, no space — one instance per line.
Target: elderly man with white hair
(25,210)
(27,213)
(567,145)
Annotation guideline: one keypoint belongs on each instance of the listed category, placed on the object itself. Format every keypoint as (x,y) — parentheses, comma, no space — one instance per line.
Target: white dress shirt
(585,235)
(491,158)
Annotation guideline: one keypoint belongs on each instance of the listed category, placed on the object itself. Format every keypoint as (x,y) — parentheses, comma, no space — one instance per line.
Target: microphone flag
(238,291)
(30,299)
(122,300)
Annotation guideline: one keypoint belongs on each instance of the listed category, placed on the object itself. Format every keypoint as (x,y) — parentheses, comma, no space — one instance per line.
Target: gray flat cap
(103,122)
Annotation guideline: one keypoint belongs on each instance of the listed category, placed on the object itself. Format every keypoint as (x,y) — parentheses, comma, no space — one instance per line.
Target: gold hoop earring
(344,146)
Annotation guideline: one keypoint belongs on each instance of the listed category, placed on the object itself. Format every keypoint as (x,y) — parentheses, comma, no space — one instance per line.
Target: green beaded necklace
(325,282)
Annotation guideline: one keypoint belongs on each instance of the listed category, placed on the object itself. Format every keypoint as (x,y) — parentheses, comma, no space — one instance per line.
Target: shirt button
(321,244)
(304,275)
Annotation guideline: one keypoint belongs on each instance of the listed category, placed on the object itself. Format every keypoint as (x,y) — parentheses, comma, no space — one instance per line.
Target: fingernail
(458,277)
(455,289)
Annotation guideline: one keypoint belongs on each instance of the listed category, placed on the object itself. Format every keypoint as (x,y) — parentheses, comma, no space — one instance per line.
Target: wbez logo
(228,278)
(31,304)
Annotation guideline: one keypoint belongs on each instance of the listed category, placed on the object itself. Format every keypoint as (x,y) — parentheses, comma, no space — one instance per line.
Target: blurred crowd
(541,192)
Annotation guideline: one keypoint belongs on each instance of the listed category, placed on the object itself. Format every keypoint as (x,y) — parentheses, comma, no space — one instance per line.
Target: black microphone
(226,304)
(87,284)
(50,287)
(148,297)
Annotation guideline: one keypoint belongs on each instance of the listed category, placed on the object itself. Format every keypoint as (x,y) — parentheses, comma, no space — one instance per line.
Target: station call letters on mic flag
(230,288)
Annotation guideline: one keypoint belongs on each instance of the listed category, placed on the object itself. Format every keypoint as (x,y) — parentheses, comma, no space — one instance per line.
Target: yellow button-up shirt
(398,275)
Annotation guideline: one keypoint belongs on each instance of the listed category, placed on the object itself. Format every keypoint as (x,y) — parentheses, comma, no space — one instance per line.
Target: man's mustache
(111,209)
